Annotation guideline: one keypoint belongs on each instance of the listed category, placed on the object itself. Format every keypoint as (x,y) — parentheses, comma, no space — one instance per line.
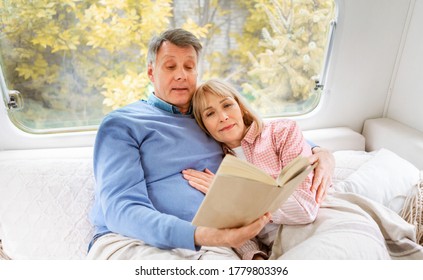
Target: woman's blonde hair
(223,89)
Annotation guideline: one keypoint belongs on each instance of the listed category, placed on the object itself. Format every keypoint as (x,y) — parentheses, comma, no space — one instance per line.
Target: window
(67,63)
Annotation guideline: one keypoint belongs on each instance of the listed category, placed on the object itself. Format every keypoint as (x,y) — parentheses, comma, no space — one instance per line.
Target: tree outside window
(74,61)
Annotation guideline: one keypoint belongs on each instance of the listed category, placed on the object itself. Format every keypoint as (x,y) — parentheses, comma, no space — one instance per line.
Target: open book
(241,192)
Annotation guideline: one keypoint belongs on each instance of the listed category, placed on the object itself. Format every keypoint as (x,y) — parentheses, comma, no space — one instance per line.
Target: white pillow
(385,178)
(44,204)
(347,162)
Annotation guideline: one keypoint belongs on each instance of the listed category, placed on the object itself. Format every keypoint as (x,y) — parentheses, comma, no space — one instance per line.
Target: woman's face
(222,118)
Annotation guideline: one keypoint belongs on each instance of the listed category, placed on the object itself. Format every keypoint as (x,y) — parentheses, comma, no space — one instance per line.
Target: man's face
(174,75)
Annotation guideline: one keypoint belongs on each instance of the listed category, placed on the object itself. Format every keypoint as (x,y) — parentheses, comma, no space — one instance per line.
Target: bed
(373,211)
(45,196)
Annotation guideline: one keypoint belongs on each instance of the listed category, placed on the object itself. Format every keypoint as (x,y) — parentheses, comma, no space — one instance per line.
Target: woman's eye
(209,114)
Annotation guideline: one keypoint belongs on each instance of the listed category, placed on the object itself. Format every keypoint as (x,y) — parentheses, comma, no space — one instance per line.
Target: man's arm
(122,200)
(235,237)
(323,173)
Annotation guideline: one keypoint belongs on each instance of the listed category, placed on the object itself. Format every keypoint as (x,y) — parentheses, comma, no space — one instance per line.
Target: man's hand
(323,173)
(201,180)
(233,237)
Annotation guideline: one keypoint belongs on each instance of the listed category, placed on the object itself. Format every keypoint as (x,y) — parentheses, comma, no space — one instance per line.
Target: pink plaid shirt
(279,143)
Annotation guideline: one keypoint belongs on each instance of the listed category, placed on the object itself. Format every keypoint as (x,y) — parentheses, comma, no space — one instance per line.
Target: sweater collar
(163,105)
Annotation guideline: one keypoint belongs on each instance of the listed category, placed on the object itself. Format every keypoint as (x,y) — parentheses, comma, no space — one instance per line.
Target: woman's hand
(201,180)
(323,173)
(233,237)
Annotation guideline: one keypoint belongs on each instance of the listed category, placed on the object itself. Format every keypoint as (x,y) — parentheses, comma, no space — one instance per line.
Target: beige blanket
(117,247)
(349,226)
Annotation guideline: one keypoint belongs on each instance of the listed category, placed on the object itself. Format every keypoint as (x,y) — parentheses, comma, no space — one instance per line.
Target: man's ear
(150,72)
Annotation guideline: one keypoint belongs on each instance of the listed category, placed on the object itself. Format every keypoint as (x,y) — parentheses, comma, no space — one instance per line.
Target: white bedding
(349,226)
(44,204)
(381,176)
(45,196)
(359,218)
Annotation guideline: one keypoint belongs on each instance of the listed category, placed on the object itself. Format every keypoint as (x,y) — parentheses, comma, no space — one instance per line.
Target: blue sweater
(140,151)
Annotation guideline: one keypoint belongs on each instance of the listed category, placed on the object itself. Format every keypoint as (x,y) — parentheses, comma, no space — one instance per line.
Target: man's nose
(180,75)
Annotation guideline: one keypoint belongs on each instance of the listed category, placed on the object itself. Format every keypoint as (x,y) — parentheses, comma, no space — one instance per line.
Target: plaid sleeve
(251,248)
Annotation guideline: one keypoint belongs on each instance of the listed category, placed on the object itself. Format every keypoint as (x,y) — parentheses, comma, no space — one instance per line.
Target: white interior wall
(406,102)
(367,41)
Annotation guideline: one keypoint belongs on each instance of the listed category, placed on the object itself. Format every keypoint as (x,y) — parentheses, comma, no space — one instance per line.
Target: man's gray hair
(178,37)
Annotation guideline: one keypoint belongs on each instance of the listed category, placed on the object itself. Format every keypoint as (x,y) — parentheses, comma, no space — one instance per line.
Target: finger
(320,192)
(198,174)
(208,171)
(328,186)
(192,172)
(194,177)
(317,180)
(199,187)
(258,224)
(238,236)
(322,195)
(197,183)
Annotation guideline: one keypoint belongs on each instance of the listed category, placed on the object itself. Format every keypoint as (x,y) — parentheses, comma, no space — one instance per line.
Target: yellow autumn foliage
(287,60)
(68,56)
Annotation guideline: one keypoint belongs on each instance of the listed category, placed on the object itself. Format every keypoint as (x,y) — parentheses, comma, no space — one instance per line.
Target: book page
(240,192)
(234,202)
(234,166)
(289,187)
(292,169)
